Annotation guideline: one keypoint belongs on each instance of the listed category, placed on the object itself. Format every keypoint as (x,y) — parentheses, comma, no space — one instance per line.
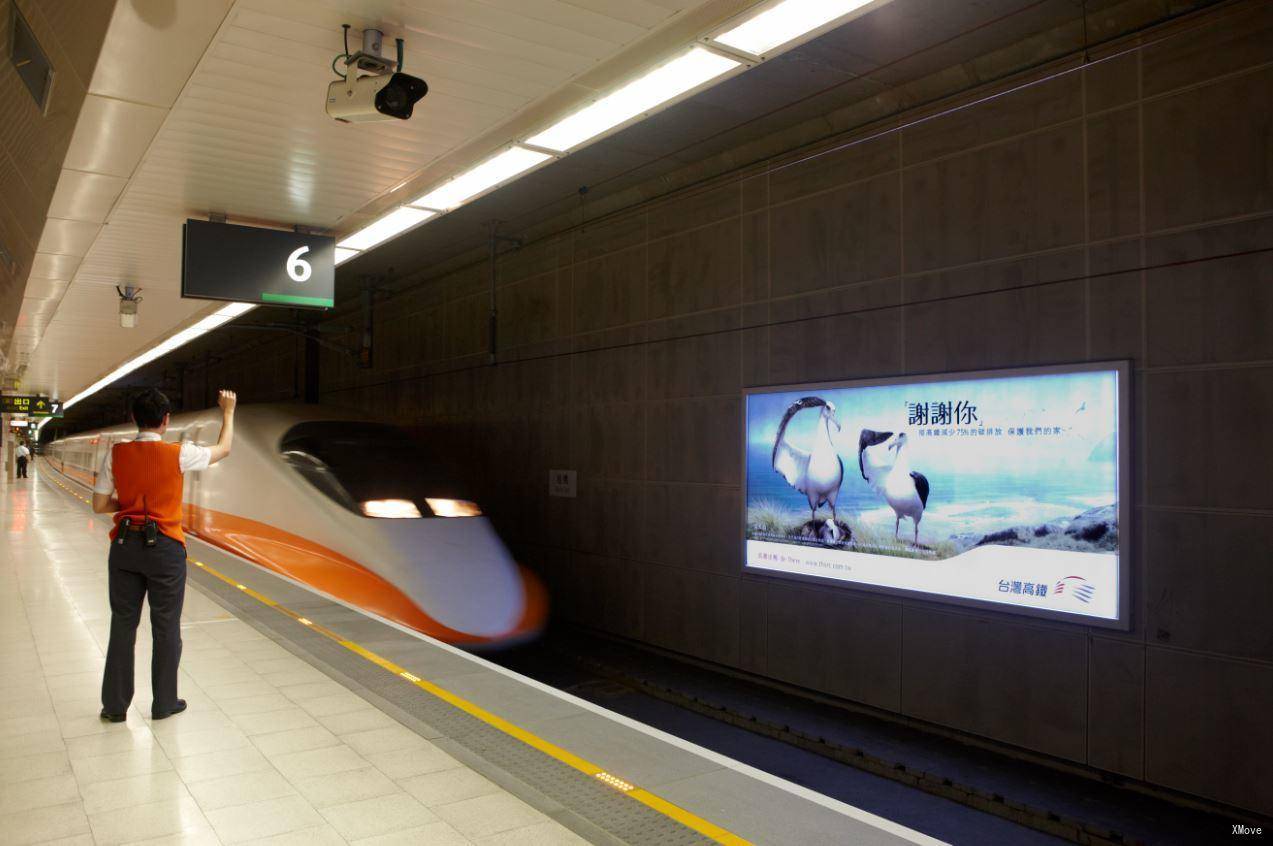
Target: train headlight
(454,508)
(390,508)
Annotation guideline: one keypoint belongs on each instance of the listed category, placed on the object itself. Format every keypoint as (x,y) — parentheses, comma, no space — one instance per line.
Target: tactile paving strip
(593,801)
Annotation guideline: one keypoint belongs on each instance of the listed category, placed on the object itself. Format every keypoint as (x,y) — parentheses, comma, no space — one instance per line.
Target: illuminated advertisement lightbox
(1002,489)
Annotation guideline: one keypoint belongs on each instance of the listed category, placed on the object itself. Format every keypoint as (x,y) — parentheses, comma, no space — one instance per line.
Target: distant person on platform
(141,482)
(24,455)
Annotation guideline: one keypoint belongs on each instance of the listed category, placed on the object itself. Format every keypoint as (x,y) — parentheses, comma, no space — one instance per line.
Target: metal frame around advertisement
(1123,369)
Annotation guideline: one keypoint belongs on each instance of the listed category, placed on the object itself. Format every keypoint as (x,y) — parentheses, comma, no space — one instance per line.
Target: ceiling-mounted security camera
(385,92)
(128,301)
(374,97)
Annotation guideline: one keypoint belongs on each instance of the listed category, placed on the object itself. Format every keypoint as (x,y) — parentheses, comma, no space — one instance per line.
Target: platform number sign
(297,268)
(222,261)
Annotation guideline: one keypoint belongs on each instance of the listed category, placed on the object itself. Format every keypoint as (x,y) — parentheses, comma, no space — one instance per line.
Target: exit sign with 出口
(34,406)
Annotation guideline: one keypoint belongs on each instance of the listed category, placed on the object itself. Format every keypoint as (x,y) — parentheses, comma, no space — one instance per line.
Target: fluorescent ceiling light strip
(218,318)
(776,25)
(483,177)
(785,22)
(394,223)
(233,310)
(666,82)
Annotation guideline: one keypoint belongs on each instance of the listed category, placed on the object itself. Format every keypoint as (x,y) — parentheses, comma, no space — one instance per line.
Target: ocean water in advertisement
(1001,489)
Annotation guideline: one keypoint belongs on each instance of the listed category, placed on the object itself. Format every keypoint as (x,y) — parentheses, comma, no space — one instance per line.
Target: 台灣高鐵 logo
(1076,586)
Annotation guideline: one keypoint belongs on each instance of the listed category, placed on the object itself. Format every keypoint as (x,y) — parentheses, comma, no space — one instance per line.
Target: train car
(351,507)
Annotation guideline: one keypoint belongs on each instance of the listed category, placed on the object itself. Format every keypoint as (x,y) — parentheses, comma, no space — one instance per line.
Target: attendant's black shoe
(113,718)
(163,715)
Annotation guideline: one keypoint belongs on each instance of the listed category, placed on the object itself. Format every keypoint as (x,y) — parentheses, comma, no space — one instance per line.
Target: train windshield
(374,470)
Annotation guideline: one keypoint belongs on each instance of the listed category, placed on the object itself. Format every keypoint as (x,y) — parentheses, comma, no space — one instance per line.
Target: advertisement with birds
(992,487)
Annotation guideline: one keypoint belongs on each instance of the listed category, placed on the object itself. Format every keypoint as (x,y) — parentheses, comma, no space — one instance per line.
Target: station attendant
(23,455)
(141,482)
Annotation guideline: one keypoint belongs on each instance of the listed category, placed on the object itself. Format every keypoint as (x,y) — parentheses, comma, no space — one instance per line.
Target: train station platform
(311,722)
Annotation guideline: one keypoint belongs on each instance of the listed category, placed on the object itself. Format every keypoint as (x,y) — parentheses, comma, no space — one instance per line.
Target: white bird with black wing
(889,474)
(818,472)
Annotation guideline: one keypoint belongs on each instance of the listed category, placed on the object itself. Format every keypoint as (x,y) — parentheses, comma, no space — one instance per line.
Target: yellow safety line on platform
(72,492)
(675,812)
(646,798)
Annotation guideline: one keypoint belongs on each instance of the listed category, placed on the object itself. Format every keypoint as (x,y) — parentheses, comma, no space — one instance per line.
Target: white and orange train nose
(354,509)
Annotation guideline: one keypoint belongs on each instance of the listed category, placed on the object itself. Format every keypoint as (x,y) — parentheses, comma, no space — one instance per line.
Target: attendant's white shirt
(193,458)
(23,452)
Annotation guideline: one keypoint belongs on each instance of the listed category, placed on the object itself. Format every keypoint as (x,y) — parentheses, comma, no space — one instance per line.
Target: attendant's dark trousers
(22,468)
(135,572)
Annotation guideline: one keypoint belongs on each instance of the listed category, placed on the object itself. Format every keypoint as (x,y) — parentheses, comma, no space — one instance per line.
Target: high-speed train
(353,508)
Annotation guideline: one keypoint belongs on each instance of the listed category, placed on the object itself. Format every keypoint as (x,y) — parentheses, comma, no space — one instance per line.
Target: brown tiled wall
(917,251)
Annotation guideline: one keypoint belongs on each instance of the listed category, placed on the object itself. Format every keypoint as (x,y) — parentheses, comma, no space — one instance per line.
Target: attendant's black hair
(150,407)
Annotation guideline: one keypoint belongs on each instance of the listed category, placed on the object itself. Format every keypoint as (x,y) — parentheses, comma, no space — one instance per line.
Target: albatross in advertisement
(818,472)
(891,477)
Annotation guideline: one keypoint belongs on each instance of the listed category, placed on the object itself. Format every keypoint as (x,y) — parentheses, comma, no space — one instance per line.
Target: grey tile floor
(270,751)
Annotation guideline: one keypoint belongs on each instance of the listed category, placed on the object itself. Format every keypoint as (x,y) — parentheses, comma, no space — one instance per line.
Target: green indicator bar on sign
(296,299)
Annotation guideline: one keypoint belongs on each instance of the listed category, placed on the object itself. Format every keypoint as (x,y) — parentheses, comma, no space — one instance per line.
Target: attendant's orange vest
(148,483)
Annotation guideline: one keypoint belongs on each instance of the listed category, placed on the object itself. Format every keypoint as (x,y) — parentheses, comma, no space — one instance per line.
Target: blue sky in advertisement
(1016,450)
(1083,406)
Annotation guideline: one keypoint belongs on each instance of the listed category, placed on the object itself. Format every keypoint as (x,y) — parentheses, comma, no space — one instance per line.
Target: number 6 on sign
(297,267)
(249,264)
